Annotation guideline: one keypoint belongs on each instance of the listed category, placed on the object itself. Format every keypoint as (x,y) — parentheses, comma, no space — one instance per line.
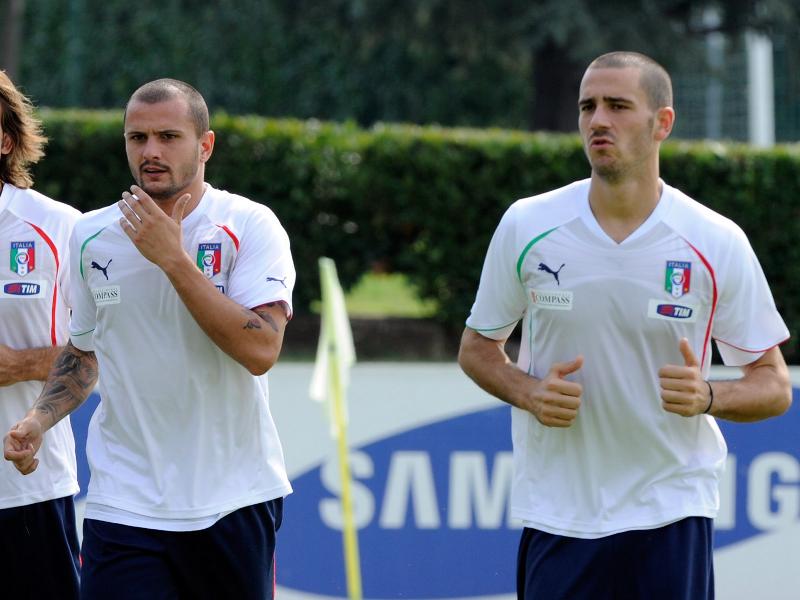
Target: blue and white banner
(431,462)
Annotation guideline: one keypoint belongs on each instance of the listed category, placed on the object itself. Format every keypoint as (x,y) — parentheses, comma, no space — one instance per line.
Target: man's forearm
(30,364)
(69,383)
(251,337)
(765,391)
(487,364)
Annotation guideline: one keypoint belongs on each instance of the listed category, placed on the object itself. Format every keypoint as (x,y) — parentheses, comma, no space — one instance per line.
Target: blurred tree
(579,30)
(11,16)
(507,63)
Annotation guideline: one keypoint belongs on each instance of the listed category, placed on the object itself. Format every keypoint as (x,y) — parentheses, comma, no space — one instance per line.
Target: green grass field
(379,295)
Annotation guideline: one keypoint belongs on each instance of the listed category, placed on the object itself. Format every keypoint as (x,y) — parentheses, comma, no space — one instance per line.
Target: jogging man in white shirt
(182,292)
(37,515)
(621,282)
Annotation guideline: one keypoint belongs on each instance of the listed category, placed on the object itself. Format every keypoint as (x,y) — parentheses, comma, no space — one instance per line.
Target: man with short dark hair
(621,282)
(37,515)
(182,295)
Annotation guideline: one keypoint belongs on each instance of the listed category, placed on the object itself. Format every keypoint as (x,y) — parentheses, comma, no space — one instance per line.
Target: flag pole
(352,563)
(336,394)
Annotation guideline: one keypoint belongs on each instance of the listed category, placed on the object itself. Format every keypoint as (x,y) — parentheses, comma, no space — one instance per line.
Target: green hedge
(425,200)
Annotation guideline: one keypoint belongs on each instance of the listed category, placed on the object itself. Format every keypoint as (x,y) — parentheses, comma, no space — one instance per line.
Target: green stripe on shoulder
(494,328)
(83,247)
(528,247)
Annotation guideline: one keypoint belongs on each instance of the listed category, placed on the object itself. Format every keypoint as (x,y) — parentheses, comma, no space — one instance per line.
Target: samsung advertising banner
(431,466)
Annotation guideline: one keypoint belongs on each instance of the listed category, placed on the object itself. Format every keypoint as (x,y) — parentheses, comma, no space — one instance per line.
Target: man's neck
(621,207)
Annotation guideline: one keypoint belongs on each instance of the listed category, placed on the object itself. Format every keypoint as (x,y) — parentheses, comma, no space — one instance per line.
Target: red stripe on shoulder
(231,234)
(54,250)
(714,297)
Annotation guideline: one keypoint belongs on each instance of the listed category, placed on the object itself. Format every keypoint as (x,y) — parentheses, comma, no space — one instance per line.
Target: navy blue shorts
(673,562)
(39,551)
(234,558)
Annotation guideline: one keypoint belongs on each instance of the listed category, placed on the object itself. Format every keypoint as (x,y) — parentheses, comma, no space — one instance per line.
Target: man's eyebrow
(617,100)
(158,131)
(607,99)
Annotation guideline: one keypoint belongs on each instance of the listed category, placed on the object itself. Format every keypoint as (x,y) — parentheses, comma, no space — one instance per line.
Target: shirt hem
(594,533)
(149,519)
(51,494)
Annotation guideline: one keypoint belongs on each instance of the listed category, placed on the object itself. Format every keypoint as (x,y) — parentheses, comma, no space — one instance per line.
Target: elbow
(464,355)
(781,395)
(259,364)
(784,399)
(475,351)
(258,369)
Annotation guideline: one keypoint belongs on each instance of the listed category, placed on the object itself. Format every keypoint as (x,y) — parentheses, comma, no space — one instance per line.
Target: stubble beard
(162,194)
(611,173)
(174,188)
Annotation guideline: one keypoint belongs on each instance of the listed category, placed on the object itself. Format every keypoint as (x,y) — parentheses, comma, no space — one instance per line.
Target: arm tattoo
(268,317)
(252,322)
(69,383)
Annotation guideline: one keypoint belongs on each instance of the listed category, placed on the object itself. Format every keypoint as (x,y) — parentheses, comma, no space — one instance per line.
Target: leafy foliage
(424,201)
(505,63)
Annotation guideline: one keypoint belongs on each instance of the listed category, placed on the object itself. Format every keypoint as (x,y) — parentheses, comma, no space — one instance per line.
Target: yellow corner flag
(335,356)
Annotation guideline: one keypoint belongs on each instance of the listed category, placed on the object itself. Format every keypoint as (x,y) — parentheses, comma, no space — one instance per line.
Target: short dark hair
(25,130)
(162,90)
(654,79)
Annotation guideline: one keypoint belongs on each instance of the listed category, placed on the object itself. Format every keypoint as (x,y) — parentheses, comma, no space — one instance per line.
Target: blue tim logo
(675,311)
(21,289)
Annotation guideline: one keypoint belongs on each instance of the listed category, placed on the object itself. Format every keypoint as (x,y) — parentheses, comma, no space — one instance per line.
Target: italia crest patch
(678,278)
(23,257)
(209,259)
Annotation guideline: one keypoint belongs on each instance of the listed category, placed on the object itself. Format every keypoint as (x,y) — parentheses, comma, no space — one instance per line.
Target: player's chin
(159,193)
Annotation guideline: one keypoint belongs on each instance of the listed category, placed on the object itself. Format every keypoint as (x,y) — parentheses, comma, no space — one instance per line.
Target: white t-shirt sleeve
(501,301)
(68,220)
(63,283)
(264,271)
(84,311)
(746,323)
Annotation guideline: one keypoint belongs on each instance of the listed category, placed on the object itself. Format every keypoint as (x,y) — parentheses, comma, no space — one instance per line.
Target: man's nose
(600,118)
(152,149)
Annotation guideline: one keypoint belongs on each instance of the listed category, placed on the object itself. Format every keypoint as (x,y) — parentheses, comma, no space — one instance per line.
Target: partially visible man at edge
(621,282)
(182,295)
(37,515)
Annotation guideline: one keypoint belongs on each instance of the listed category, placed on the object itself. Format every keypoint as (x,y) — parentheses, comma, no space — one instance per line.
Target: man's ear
(664,121)
(206,145)
(7,144)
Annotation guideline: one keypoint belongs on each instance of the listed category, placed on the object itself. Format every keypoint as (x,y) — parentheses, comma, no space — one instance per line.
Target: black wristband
(711,398)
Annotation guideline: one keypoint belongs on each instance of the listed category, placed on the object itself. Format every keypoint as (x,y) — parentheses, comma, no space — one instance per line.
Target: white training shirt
(625,463)
(183,434)
(34,296)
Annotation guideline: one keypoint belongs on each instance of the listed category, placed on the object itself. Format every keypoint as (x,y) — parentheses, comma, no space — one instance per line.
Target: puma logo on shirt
(102,269)
(544,267)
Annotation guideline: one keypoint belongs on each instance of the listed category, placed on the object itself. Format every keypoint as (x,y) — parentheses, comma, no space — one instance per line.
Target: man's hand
(683,389)
(555,400)
(22,443)
(155,234)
